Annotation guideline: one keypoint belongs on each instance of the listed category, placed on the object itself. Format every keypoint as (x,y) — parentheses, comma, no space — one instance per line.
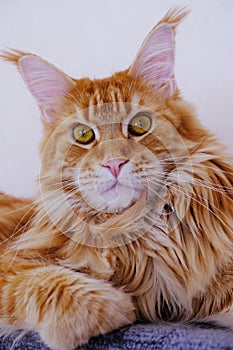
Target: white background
(96,38)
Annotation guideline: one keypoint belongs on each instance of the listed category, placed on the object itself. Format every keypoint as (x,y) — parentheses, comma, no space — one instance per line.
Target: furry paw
(80,308)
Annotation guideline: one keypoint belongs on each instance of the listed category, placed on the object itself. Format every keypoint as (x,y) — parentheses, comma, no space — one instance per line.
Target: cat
(134,215)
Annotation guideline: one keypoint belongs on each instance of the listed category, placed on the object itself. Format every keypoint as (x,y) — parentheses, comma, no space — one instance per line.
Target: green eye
(139,125)
(83,134)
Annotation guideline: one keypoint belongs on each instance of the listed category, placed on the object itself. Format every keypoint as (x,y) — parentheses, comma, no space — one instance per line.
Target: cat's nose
(115,165)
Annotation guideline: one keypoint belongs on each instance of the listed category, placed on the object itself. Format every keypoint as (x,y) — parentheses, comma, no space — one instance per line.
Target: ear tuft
(12,55)
(154,63)
(175,16)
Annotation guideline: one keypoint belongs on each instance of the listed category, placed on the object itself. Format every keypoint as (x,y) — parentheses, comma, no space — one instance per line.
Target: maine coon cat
(134,215)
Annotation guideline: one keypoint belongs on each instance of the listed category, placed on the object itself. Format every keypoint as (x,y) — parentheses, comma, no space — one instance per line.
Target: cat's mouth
(114,191)
(113,196)
(110,197)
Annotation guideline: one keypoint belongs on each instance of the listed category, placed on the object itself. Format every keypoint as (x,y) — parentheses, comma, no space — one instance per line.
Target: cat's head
(112,144)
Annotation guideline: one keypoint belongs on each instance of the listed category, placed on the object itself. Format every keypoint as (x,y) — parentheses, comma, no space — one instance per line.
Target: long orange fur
(55,283)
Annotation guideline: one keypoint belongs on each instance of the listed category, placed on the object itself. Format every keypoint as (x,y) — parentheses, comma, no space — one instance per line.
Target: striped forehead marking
(107,109)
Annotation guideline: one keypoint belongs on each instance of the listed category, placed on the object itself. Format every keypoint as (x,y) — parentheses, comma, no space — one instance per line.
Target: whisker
(199,165)
(199,202)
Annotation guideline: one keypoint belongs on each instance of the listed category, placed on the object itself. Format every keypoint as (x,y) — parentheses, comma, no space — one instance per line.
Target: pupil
(139,123)
(82,132)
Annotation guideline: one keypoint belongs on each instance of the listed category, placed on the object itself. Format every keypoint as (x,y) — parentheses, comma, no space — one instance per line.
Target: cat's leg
(66,308)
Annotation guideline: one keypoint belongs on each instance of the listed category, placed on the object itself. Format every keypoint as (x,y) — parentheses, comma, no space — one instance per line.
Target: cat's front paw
(82,309)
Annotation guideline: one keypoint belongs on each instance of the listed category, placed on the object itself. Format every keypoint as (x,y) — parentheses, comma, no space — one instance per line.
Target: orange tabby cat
(134,217)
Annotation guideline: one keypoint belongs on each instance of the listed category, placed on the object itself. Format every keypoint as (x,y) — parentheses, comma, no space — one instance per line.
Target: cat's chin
(122,217)
(120,206)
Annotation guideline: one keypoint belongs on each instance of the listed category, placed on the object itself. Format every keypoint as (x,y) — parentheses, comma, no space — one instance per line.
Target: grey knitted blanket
(143,337)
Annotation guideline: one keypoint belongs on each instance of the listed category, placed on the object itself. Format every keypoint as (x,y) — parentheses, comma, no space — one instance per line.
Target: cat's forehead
(109,99)
(102,111)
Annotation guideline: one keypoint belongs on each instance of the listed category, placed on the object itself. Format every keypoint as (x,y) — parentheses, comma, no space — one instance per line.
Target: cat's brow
(104,113)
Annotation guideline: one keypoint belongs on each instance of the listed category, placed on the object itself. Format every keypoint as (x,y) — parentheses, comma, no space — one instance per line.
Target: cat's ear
(47,84)
(155,60)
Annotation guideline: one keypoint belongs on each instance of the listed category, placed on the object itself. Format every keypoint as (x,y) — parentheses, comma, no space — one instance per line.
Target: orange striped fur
(70,271)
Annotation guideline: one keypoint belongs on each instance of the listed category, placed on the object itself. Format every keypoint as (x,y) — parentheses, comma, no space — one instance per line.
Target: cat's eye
(83,134)
(139,125)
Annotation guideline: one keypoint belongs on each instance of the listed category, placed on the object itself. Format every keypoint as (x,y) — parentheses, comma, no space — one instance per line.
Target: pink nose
(115,165)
